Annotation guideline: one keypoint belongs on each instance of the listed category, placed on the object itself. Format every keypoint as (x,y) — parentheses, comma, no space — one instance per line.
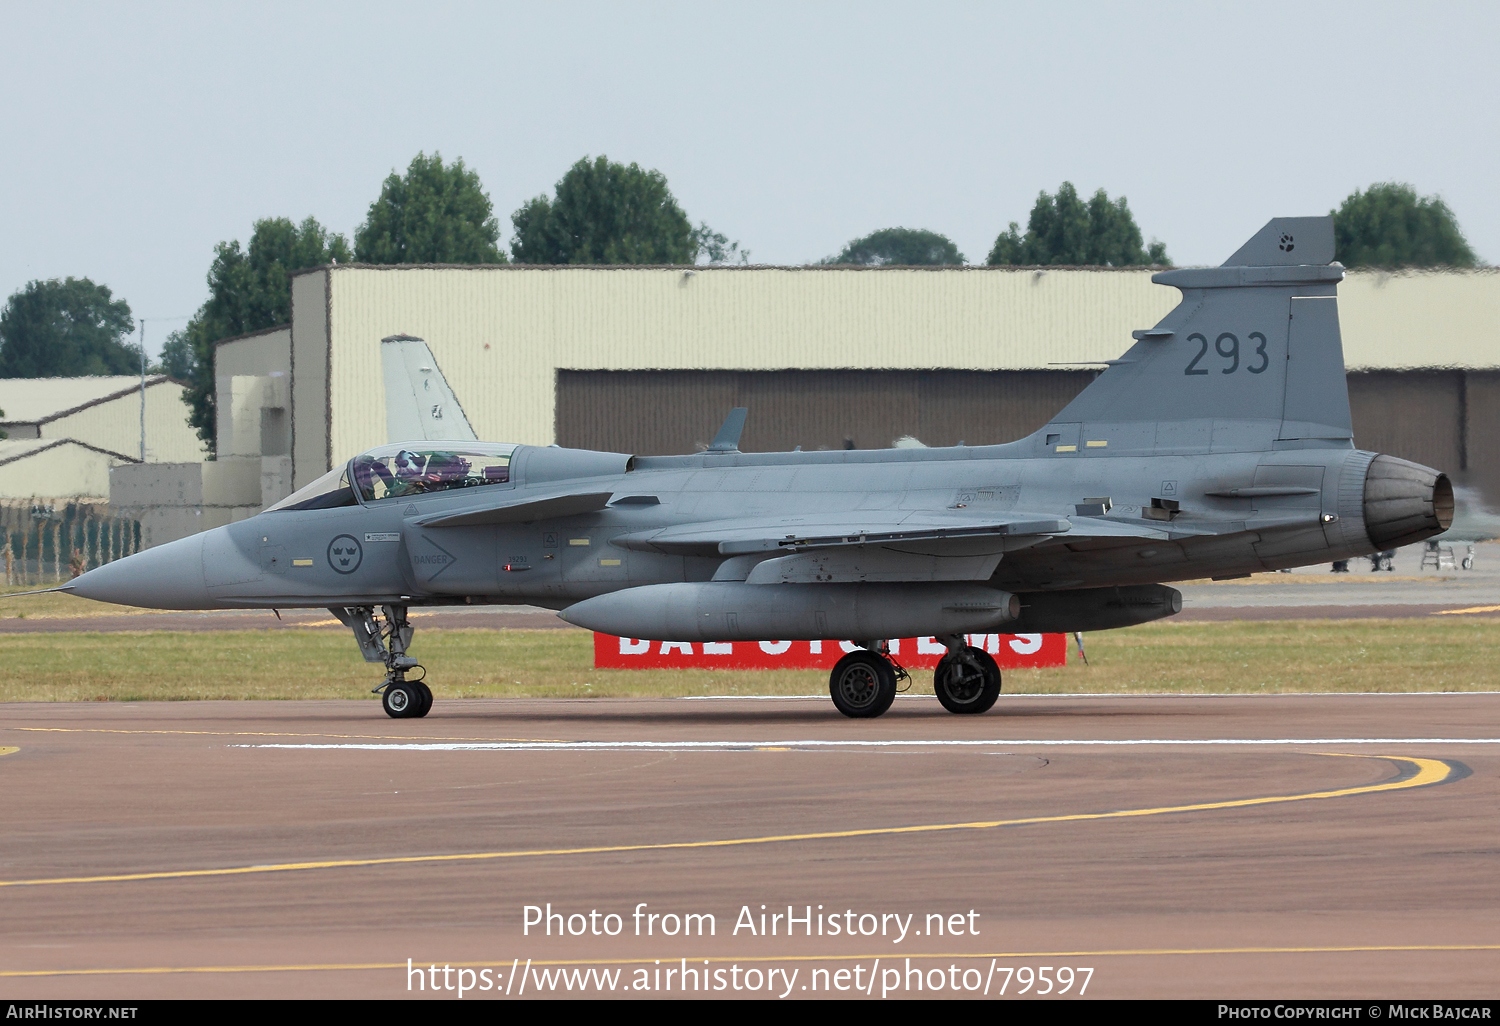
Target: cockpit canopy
(327,492)
(399,472)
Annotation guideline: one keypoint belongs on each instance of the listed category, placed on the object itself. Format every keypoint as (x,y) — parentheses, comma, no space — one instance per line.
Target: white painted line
(1011,696)
(583,746)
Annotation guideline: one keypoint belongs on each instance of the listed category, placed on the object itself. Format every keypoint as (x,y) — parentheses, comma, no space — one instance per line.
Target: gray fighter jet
(1218,445)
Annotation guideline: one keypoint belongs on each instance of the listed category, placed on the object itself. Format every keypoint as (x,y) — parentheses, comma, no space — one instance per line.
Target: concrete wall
(252,378)
(310,356)
(253,415)
(261,352)
(174,500)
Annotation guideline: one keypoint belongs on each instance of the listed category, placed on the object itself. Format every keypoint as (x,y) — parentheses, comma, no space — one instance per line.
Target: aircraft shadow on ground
(821,713)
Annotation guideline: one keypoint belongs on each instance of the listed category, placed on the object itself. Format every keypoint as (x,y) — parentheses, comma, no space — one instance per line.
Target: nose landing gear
(387,644)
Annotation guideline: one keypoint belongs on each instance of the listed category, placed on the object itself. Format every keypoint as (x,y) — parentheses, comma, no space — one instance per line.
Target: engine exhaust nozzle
(1405,502)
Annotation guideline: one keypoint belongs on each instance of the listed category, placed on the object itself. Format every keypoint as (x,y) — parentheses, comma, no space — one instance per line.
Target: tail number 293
(1227,345)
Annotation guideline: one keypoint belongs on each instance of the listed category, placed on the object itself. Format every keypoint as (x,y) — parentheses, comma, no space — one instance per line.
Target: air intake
(1405,502)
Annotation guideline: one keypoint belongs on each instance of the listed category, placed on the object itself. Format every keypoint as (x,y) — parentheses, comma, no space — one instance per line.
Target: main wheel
(401,701)
(863,684)
(968,683)
(426,693)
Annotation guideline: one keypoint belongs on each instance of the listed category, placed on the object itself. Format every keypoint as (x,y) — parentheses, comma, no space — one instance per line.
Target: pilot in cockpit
(410,479)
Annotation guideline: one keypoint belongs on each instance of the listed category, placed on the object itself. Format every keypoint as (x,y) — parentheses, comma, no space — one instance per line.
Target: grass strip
(1266,657)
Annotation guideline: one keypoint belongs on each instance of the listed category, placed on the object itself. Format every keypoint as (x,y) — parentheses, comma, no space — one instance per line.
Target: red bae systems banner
(1011,651)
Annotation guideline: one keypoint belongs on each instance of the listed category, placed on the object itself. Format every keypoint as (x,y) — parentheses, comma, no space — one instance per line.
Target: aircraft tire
(401,701)
(956,686)
(862,684)
(426,694)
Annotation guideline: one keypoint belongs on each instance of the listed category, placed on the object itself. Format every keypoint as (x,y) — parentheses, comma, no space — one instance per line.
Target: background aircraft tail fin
(1251,359)
(419,404)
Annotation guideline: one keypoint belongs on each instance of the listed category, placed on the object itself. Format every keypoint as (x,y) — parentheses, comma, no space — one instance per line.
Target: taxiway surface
(1177,846)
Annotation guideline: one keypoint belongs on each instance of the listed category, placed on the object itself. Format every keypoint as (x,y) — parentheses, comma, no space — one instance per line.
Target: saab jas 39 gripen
(1217,446)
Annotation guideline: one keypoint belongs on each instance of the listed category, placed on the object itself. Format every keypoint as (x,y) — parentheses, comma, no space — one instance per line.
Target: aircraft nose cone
(169,576)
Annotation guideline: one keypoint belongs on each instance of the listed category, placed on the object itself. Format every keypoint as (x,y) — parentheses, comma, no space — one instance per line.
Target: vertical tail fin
(1251,359)
(419,405)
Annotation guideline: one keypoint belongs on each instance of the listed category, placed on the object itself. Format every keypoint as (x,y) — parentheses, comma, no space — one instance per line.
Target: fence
(51,541)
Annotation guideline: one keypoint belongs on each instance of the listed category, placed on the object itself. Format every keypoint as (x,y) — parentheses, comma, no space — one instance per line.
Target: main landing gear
(863,684)
(966,679)
(387,643)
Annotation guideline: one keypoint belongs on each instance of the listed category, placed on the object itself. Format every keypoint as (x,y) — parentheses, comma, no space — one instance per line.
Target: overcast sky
(133,137)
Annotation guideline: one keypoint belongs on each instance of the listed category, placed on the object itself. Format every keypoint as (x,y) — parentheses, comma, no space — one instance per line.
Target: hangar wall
(115,425)
(104,412)
(1412,319)
(653,413)
(56,468)
(1443,418)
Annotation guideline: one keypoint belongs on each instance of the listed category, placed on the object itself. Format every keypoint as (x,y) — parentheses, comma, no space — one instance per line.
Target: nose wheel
(387,643)
(407,699)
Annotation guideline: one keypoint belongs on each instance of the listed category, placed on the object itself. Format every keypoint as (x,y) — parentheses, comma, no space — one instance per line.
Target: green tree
(249,289)
(1389,225)
(435,214)
(607,213)
(176,357)
(715,247)
(904,246)
(63,329)
(1064,230)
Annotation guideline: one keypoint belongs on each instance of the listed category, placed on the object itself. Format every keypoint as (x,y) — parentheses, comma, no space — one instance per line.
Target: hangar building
(66,433)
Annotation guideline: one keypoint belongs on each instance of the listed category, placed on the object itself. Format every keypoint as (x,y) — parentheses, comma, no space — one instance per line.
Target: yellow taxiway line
(1471,609)
(1345,949)
(1426,772)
